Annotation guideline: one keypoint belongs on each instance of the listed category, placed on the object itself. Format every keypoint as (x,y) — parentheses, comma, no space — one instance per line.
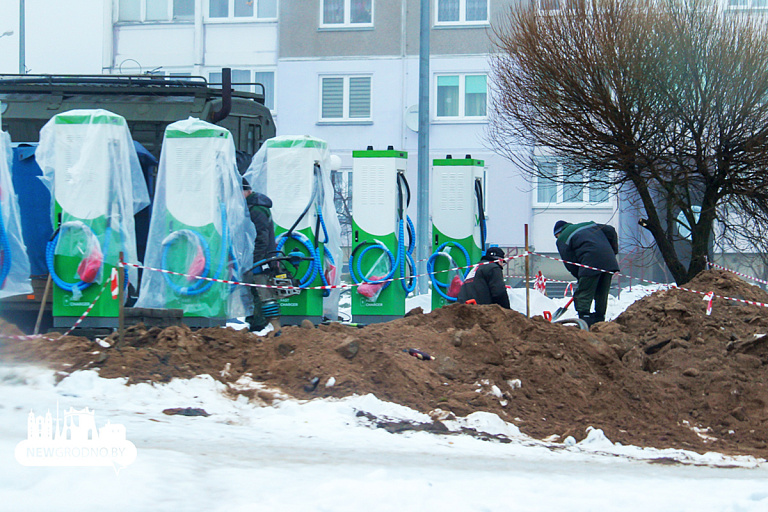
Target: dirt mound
(664,374)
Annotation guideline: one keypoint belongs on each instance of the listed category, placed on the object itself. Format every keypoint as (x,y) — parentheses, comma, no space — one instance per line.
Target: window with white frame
(237,9)
(590,189)
(267,80)
(452,12)
(345,98)
(748,4)
(155,10)
(342,199)
(547,6)
(346,13)
(461,96)
(241,81)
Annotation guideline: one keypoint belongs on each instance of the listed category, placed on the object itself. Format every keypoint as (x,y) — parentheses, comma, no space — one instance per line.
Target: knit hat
(495,253)
(559,226)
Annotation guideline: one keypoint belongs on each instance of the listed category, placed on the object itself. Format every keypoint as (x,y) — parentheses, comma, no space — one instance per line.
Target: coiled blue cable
(50,251)
(315,266)
(406,256)
(437,285)
(399,263)
(201,285)
(356,272)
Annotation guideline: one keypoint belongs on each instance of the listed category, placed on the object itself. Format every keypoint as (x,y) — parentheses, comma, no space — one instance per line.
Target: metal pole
(527,280)
(422,223)
(22,40)
(121,303)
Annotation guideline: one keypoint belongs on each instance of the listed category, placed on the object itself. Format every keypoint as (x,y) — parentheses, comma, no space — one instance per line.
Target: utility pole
(422,227)
(22,42)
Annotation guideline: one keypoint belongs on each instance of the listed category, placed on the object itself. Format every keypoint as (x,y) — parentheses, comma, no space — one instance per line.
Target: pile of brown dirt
(663,374)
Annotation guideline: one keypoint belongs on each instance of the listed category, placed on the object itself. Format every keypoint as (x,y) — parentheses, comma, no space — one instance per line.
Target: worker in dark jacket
(266,310)
(594,245)
(265,306)
(485,282)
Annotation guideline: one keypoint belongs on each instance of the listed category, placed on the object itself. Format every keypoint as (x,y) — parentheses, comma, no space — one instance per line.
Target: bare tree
(343,202)
(662,99)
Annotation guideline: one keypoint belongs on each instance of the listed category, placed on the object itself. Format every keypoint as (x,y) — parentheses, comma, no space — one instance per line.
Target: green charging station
(458,224)
(90,164)
(381,262)
(295,174)
(199,227)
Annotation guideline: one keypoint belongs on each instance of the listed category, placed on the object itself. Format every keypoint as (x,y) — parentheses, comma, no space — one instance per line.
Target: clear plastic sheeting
(14,263)
(288,190)
(90,165)
(199,227)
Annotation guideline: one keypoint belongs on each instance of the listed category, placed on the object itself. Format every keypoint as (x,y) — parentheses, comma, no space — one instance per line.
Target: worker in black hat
(266,309)
(485,282)
(595,245)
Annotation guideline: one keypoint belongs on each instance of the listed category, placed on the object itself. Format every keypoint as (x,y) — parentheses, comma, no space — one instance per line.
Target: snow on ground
(321,456)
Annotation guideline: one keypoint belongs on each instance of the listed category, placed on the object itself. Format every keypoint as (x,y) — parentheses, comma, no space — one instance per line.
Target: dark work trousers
(593,288)
(260,295)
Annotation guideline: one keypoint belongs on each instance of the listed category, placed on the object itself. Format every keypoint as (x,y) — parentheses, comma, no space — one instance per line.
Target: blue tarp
(34,206)
(35,203)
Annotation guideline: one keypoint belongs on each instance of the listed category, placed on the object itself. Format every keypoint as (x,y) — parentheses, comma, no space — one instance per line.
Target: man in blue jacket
(594,245)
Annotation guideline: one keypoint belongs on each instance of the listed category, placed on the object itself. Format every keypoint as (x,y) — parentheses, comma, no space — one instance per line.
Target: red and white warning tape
(326,287)
(539,284)
(227,281)
(709,296)
(74,326)
(737,273)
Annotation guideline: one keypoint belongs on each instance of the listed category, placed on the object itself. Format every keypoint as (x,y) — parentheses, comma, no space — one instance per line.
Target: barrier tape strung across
(226,281)
(709,296)
(328,287)
(74,326)
(549,279)
(737,273)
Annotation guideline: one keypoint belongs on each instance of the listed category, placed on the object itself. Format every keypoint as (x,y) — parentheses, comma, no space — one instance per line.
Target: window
(267,79)
(549,190)
(342,199)
(346,13)
(242,9)
(345,98)
(155,10)
(547,6)
(241,79)
(452,12)
(747,4)
(461,96)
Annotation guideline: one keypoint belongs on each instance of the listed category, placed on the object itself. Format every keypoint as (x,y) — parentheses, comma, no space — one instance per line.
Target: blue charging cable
(50,251)
(200,285)
(437,285)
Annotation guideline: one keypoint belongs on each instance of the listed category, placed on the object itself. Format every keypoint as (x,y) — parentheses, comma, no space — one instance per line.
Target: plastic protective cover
(90,166)
(257,177)
(197,186)
(14,263)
